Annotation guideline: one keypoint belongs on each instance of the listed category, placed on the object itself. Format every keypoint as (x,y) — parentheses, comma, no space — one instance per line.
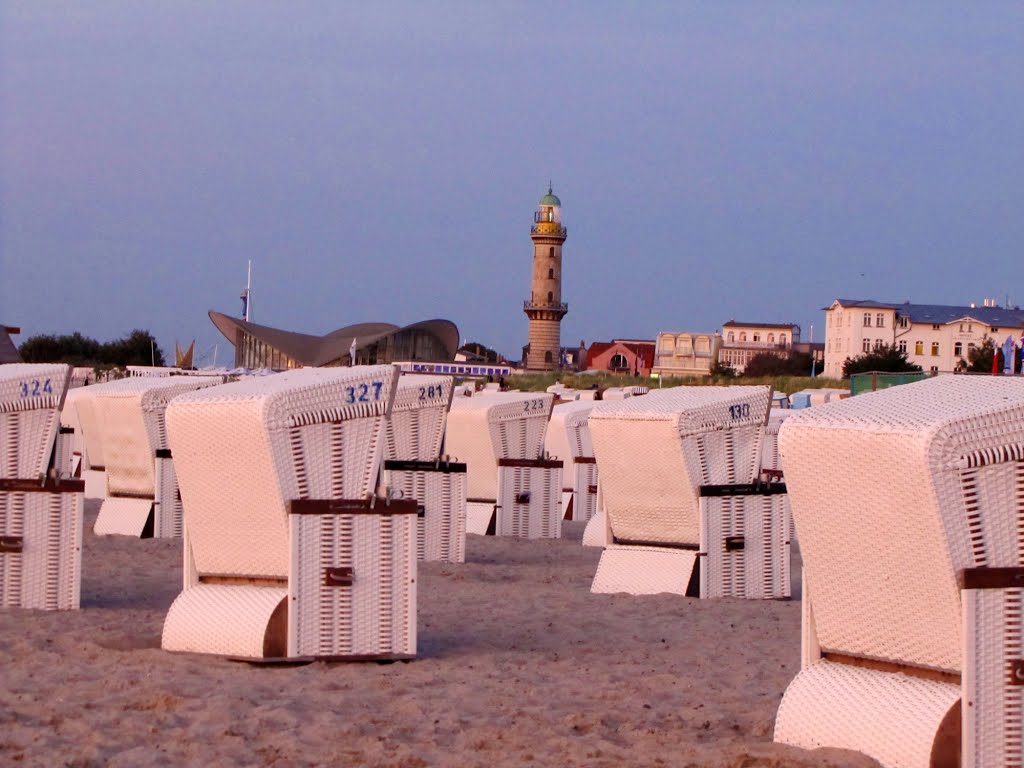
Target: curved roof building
(260,346)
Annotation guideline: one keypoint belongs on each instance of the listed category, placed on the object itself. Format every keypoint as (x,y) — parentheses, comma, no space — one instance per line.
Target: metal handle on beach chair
(338,577)
(11,544)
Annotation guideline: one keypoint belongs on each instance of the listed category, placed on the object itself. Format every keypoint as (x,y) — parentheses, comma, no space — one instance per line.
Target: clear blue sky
(382,161)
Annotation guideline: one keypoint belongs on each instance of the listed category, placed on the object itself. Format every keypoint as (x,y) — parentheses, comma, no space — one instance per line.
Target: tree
(767,364)
(886,358)
(138,348)
(723,371)
(979,359)
(476,348)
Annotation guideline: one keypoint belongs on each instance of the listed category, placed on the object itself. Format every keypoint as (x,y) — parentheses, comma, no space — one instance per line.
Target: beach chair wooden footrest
(584,490)
(640,570)
(993,667)
(41,547)
(596,532)
(125,516)
(370,607)
(228,620)
(480,516)
(744,543)
(441,492)
(167,509)
(95,483)
(897,719)
(529,498)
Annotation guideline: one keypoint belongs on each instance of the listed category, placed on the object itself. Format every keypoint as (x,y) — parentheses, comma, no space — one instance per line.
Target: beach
(518,664)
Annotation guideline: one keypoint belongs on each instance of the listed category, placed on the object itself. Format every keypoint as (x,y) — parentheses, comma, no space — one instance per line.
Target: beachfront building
(628,356)
(686,354)
(741,342)
(937,337)
(545,307)
(260,346)
(8,352)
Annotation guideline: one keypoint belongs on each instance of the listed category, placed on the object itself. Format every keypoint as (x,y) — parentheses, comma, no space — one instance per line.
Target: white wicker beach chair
(142,492)
(40,511)
(79,413)
(909,503)
(415,469)
(71,429)
(679,470)
(289,553)
(771,462)
(512,489)
(568,439)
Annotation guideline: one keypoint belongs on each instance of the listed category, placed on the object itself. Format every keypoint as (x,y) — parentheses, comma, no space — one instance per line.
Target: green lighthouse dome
(550,198)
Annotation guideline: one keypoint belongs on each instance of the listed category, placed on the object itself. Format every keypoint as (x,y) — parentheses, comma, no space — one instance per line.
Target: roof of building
(310,350)
(941,314)
(8,352)
(864,303)
(734,324)
(638,348)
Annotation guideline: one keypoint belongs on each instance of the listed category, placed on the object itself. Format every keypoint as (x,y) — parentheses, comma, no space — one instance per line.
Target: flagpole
(811,348)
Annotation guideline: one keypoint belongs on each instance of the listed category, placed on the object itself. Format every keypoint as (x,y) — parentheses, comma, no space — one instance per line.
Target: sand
(518,665)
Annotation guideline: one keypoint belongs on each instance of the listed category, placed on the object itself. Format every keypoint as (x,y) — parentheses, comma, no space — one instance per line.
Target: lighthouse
(545,307)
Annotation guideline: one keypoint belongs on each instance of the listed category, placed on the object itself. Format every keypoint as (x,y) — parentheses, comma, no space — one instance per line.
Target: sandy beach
(518,665)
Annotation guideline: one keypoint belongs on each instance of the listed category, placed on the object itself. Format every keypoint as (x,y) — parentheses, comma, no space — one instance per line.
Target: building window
(961,327)
(547,356)
(903,347)
(995,330)
(782,338)
(880,320)
(918,347)
(618,362)
(936,327)
(934,369)
(904,322)
(743,336)
(551,252)
(771,338)
(732,336)
(551,297)
(958,349)
(879,344)
(757,337)
(867,319)
(551,274)
(866,346)
(935,349)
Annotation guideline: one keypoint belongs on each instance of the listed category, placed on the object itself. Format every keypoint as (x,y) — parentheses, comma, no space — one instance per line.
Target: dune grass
(538,382)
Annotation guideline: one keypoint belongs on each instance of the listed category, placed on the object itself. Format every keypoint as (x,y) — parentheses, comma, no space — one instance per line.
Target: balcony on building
(549,305)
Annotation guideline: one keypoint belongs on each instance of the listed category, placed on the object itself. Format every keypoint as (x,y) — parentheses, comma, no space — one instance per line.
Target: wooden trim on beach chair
(372,506)
(990,578)
(743,489)
(396,465)
(532,463)
(49,485)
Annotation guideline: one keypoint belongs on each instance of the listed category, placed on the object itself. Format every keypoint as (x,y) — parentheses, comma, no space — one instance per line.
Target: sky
(716,161)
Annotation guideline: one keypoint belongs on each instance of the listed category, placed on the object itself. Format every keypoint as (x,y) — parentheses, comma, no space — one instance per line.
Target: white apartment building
(742,341)
(936,337)
(686,354)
